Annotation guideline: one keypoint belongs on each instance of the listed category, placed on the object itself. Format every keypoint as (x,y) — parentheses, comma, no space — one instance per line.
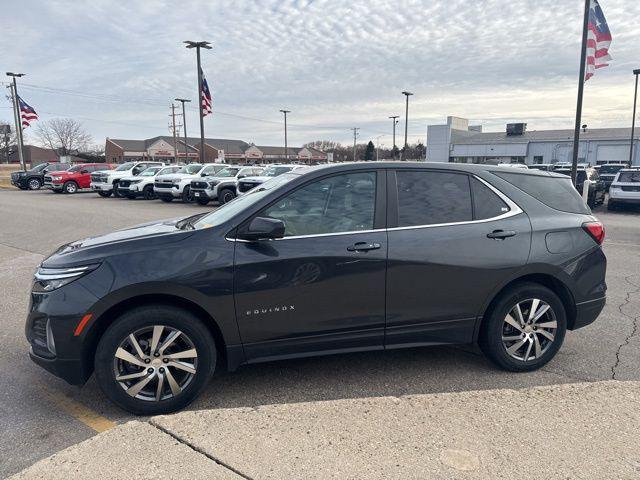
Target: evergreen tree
(370,152)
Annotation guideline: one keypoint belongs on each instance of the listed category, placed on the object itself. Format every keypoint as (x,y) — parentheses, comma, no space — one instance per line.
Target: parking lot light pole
(286,147)
(18,117)
(633,121)
(198,46)
(406,119)
(184,125)
(394,119)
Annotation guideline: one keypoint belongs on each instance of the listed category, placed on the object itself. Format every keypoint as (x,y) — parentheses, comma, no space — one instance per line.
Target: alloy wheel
(34,184)
(155,363)
(71,188)
(529,329)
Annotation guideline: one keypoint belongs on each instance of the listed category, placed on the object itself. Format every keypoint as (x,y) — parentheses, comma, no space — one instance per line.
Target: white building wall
(438,142)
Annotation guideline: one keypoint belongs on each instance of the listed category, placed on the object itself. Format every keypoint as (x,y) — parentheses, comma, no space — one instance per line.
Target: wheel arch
(104,320)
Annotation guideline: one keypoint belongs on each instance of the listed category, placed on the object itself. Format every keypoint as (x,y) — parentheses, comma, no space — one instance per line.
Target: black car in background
(597,189)
(608,172)
(325,260)
(33,179)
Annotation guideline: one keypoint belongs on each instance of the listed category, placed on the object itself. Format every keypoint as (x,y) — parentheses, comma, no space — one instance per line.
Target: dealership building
(457,141)
(216,150)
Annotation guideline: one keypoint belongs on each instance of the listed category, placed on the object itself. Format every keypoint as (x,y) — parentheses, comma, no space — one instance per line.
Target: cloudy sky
(336,64)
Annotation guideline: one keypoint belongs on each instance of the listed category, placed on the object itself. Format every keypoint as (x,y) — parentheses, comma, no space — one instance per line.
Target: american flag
(598,40)
(27,113)
(205,96)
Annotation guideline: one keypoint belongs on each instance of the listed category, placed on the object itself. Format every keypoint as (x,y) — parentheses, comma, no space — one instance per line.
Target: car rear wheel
(70,187)
(34,184)
(524,329)
(226,195)
(155,359)
(104,194)
(148,193)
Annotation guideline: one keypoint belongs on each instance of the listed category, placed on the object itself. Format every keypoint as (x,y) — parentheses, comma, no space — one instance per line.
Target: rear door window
(430,198)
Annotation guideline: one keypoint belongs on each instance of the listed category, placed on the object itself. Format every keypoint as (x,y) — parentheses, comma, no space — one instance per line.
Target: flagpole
(583,61)
(197,46)
(17,116)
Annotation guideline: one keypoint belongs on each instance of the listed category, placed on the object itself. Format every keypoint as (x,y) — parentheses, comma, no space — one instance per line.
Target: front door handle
(502,234)
(363,247)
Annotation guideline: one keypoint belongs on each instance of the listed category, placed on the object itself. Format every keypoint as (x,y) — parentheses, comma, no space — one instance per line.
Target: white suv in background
(625,188)
(105,182)
(223,185)
(178,185)
(142,185)
(271,171)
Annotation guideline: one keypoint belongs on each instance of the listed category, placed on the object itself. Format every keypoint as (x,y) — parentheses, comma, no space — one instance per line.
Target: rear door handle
(363,247)
(502,234)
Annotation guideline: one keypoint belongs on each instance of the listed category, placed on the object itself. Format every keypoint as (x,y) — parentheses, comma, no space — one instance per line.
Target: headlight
(56,178)
(135,181)
(176,181)
(49,279)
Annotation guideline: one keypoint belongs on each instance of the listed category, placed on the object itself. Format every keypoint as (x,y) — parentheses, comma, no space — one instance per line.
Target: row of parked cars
(195,182)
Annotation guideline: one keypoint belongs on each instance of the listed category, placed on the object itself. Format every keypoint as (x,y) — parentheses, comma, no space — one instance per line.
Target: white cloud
(335,64)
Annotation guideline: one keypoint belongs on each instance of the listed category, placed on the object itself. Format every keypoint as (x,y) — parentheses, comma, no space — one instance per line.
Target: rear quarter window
(555,192)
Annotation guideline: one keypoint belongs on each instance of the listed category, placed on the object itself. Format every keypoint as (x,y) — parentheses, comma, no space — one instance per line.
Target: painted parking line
(79,411)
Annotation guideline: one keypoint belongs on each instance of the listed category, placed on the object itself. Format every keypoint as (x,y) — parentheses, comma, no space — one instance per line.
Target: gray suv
(221,186)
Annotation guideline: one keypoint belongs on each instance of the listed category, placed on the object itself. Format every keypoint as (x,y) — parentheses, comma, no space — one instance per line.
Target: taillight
(595,230)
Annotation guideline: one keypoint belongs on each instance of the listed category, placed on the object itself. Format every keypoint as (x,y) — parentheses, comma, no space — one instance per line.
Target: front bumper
(20,182)
(101,187)
(72,370)
(173,192)
(211,194)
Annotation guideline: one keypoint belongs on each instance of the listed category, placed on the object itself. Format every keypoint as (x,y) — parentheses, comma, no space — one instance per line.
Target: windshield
(167,170)
(39,168)
(227,172)
(237,205)
(275,171)
(539,167)
(77,168)
(629,177)
(191,169)
(610,169)
(149,172)
(125,166)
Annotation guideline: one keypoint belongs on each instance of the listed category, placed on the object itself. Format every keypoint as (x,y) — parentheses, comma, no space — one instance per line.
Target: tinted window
(555,192)
(610,169)
(486,204)
(629,177)
(427,198)
(343,203)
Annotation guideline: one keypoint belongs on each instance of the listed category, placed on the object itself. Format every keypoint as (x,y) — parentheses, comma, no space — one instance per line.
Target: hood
(142,236)
(259,179)
(178,176)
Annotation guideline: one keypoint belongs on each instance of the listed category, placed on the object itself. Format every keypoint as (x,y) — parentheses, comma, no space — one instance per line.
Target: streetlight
(198,46)
(394,119)
(378,147)
(406,120)
(184,125)
(17,117)
(633,121)
(286,147)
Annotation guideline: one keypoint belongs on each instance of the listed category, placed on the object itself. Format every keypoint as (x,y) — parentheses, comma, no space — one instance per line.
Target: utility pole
(394,119)
(18,118)
(198,46)
(355,136)
(633,121)
(173,129)
(406,119)
(184,125)
(286,147)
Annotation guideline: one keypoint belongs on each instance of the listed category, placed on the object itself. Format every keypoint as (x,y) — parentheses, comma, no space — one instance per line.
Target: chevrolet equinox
(325,260)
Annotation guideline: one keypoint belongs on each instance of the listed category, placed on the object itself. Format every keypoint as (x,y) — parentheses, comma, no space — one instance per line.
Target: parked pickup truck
(106,183)
(271,171)
(222,186)
(34,179)
(76,178)
(178,185)
(142,185)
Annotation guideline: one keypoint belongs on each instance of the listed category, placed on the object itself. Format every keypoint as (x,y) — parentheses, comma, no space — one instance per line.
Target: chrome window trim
(514,210)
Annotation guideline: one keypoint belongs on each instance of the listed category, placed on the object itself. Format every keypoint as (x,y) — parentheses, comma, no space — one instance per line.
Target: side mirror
(84,171)
(204,174)
(242,175)
(135,171)
(262,228)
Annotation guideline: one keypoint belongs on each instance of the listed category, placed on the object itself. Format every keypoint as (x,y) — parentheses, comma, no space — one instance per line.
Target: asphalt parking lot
(40,415)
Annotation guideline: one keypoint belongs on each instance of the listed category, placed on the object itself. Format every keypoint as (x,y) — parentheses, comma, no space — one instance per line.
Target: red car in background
(74,179)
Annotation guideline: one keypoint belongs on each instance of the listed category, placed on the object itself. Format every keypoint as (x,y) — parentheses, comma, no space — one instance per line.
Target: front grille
(163,184)
(15,176)
(47,179)
(124,183)
(631,188)
(199,185)
(246,186)
(98,178)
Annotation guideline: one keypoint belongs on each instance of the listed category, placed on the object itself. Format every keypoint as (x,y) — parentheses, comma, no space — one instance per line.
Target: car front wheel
(70,187)
(226,195)
(104,194)
(34,184)
(116,191)
(155,359)
(524,329)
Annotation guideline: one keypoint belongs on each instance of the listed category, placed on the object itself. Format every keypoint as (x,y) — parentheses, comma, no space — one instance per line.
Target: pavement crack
(199,450)
(634,323)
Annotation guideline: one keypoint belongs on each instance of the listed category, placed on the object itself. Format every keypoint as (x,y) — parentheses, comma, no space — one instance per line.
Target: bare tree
(8,141)
(64,135)
(322,145)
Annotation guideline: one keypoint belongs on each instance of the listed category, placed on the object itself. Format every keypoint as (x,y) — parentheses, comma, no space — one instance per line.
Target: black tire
(202,201)
(611,205)
(70,187)
(186,194)
(167,199)
(104,194)
(116,192)
(226,195)
(34,184)
(146,317)
(493,325)
(148,193)
(56,191)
